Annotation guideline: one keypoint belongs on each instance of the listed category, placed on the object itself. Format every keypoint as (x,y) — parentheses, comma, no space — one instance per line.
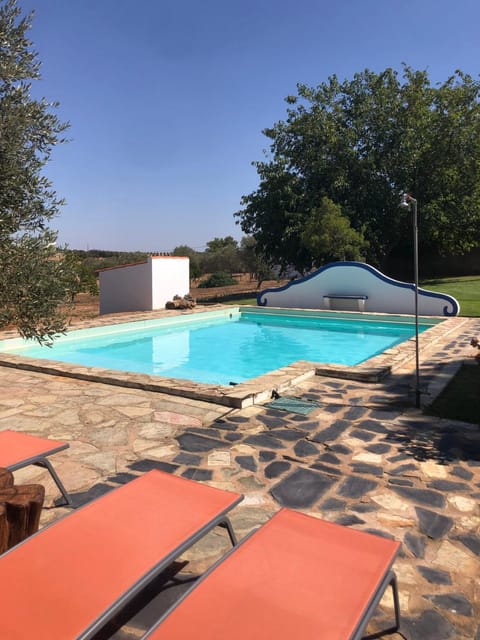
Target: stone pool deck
(361,456)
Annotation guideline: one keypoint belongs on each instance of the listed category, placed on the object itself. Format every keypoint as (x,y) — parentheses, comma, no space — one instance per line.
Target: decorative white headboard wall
(356,286)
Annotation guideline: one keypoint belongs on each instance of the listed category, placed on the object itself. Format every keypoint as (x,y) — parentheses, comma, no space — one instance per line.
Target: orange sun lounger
(295,577)
(69,579)
(18,450)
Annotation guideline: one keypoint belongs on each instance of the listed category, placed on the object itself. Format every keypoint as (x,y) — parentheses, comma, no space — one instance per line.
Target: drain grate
(293,405)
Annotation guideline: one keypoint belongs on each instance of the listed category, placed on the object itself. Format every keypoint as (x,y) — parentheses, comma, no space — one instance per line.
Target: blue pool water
(232,348)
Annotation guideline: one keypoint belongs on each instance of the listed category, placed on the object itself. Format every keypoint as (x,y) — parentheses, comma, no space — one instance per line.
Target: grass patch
(465,289)
(459,399)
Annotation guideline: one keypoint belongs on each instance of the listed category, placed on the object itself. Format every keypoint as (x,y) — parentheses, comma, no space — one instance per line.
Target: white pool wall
(14,344)
(357,286)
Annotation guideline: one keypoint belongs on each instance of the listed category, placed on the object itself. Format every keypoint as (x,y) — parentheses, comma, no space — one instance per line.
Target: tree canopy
(35,279)
(253,262)
(329,237)
(361,143)
(221,254)
(221,244)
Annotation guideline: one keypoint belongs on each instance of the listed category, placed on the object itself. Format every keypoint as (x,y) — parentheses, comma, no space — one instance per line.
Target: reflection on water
(234,350)
(173,352)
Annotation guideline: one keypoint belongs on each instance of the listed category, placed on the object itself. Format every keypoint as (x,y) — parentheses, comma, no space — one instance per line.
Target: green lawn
(459,399)
(465,289)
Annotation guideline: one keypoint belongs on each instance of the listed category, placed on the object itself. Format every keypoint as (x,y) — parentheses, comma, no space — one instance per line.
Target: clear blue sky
(167,99)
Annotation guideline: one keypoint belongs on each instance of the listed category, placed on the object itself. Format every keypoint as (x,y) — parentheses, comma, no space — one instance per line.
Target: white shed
(144,286)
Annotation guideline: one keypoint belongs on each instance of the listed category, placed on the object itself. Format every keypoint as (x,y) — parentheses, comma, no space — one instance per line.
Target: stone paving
(362,456)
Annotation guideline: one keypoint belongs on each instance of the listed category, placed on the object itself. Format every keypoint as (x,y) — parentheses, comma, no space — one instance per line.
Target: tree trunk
(20,509)
(6,478)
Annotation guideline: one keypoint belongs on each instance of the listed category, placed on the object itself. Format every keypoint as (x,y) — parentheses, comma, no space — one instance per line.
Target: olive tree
(35,280)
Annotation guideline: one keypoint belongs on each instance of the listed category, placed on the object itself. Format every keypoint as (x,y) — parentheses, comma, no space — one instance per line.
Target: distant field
(465,289)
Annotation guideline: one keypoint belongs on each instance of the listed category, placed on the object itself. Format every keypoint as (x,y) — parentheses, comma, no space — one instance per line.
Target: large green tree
(361,143)
(221,254)
(329,236)
(35,280)
(252,262)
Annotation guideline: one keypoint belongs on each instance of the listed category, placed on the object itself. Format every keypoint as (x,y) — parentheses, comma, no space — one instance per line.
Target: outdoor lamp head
(404,203)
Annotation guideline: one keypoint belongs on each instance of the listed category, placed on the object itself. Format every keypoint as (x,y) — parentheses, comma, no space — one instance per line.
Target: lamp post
(410,203)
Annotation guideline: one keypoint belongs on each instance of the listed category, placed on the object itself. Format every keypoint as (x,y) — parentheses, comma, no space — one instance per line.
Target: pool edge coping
(245,394)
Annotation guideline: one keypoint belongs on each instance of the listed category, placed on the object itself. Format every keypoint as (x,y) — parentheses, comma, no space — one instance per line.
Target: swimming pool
(227,347)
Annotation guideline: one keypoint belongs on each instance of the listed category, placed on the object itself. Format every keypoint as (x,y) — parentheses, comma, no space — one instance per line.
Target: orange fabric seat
(295,577)
(66,581)
(19,450)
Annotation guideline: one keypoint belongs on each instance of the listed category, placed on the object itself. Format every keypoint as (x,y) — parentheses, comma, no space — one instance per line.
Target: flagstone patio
(363,457)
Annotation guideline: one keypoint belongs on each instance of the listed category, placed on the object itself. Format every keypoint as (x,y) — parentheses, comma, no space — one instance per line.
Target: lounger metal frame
(389,580)
(42,461)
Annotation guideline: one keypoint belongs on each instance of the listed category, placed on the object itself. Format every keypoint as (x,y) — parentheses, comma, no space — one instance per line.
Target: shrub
(218,279)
